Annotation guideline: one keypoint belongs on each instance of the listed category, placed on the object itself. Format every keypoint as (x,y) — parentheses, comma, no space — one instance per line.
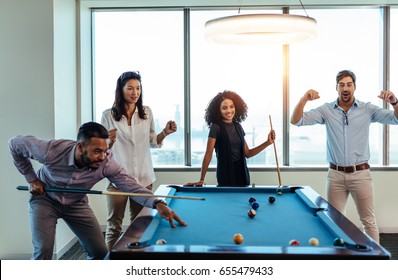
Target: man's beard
(86,161)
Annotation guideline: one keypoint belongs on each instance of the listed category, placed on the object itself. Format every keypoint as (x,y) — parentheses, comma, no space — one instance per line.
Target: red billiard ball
(252,199)
(255,205)
(251,213)
(294,242)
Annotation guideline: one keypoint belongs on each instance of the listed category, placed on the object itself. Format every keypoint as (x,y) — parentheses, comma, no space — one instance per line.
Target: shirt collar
(336,105)
(71,160)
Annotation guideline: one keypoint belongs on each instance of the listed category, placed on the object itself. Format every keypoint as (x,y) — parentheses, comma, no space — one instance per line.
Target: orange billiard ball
(238,238)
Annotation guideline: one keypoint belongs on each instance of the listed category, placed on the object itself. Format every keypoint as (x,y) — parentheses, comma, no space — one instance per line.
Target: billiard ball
(238,238)
(271,199)
(252,199)
(294,242)
(279,191)
(338,242)
(161,242)
(251,213)
(255,205)
(313,241)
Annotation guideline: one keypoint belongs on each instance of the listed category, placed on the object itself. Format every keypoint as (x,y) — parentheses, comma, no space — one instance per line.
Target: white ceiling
(232,3)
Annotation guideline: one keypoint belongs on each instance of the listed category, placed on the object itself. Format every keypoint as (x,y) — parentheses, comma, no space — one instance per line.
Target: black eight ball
(271,199)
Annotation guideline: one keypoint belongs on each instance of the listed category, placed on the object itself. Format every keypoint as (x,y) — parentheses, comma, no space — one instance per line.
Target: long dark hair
(213,114)
(119,105)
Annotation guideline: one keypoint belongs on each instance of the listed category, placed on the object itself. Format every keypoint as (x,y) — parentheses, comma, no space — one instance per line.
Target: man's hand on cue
(36,187)
(168,214)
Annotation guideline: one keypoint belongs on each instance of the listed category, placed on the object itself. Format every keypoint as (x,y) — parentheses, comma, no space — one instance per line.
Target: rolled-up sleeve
(117,175)
(153,136)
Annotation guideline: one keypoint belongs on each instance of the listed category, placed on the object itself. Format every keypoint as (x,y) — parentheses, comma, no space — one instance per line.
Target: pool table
(298,213)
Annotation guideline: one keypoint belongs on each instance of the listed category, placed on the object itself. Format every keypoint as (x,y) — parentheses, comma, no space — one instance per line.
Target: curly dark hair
(213,114)
(119,105)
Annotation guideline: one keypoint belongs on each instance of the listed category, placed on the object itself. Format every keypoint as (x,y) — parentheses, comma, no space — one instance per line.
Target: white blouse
(133,143)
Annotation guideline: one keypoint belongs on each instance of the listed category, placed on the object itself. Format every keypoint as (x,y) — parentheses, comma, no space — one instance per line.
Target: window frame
(85,70)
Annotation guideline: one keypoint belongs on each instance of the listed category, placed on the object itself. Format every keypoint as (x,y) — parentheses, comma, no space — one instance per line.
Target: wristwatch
(395,103)
(156,201)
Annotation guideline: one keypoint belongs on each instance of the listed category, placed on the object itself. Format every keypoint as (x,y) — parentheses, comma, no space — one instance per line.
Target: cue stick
(25,188)
(276,157)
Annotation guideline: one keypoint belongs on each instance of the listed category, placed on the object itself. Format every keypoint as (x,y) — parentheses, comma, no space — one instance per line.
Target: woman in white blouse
(132,134)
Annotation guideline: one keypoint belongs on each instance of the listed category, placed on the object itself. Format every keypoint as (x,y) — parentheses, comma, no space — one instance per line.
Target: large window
(353,44)
(394,81)
(252,72)
(128,40)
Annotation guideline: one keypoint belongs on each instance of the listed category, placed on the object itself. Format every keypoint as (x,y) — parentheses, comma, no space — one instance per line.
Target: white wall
(38,97)
(65,92)
(26,107)
(40,94)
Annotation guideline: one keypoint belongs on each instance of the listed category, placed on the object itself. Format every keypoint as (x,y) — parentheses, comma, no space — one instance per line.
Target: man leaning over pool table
(73,164)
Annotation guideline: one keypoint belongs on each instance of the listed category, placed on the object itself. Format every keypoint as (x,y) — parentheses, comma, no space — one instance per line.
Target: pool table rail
(136,241)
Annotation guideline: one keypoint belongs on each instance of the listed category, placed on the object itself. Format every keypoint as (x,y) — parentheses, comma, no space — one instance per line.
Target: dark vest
(225,170)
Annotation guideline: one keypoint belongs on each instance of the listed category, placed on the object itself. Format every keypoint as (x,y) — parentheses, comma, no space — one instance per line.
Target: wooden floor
(388,240)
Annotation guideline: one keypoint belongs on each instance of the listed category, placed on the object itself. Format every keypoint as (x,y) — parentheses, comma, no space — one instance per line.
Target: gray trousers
(359,184)
(44,214)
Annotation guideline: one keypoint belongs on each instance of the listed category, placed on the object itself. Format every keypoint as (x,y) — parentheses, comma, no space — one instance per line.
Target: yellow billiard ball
(238,238)
(313,241)
(161,242)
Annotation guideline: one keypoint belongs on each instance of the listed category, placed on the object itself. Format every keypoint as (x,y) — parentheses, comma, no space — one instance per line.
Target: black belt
(350,169)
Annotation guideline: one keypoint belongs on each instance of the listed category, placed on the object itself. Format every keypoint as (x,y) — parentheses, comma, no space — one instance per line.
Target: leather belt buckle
(348,169)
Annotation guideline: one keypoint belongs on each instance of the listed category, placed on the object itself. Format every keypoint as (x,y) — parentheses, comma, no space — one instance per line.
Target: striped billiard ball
(294,242)
(251,213)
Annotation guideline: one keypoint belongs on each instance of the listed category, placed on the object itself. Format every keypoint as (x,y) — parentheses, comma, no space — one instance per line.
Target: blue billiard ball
(252,199)
(255,205)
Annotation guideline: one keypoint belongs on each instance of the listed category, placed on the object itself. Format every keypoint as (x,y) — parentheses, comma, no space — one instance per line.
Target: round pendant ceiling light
(260,29)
